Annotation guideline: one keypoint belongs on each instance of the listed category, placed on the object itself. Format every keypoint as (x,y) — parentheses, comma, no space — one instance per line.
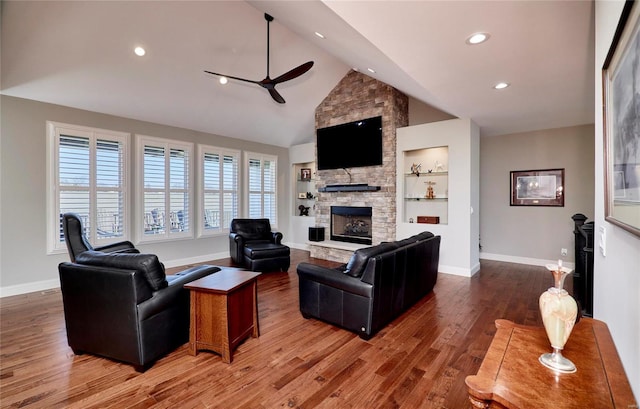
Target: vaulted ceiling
(80,54)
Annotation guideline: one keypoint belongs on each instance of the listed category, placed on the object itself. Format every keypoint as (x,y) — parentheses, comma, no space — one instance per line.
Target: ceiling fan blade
(294,73)
(233,78)
(276,95)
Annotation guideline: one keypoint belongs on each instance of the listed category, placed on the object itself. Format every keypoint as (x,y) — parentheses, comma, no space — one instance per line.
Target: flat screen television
(350,145)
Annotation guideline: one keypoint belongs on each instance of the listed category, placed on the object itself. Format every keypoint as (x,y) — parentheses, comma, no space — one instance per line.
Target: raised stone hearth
(358,96)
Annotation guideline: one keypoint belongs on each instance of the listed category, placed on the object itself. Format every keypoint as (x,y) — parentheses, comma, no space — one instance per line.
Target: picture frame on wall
(305,174)
(543,187)
(621,108)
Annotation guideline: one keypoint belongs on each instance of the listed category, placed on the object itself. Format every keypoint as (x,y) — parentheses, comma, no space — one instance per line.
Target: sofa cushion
(360,257)
(147,264)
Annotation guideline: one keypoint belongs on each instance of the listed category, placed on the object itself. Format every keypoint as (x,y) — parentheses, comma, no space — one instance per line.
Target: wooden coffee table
(224,311)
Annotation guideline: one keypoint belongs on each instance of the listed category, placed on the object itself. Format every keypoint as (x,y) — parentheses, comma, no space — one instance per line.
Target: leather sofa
(377,284)
(253,245)
(124,307)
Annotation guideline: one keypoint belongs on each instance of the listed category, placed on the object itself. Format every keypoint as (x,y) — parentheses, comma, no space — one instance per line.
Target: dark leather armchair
(122,306)
(78,243)
(253,245)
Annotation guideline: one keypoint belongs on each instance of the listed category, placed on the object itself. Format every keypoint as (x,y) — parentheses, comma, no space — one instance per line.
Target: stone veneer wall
(358,96)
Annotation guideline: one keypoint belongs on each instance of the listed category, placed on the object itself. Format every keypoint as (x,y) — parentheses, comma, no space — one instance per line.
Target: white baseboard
(524,260)
(29,287)
(193,260)
(458,271)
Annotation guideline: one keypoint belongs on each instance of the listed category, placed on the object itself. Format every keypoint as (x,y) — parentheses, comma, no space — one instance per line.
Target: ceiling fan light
(223,80)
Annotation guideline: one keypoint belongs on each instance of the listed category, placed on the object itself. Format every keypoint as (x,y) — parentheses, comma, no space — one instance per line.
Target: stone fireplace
(351,224)
(358,96)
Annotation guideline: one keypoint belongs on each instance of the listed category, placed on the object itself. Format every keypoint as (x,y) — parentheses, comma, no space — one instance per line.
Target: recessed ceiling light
(501,85)
(319,35)
(139,51)
(478,38)
(223,80)
(371,70)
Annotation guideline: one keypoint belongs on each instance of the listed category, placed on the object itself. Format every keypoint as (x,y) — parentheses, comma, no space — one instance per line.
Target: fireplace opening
(351,224)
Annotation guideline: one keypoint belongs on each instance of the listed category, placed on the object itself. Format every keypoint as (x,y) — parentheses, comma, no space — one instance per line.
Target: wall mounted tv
(350,145)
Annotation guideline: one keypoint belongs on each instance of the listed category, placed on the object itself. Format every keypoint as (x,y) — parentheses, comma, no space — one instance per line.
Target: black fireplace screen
(351,224)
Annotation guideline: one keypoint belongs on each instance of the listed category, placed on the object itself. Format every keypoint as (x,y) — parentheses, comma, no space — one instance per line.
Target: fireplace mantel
(357,187)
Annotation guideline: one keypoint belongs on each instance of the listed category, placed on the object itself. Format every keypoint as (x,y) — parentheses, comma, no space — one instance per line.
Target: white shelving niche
(424,168)
(305,186)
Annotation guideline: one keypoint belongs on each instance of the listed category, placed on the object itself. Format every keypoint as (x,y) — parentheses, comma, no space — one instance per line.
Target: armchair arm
(276,237)
(334,278)
(236,246)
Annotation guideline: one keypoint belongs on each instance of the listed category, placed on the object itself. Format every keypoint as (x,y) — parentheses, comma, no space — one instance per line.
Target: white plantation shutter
(87,175)
(219,198)
(262,186)
(165,210)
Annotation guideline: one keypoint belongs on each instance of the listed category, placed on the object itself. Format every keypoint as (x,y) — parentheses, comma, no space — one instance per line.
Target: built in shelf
(435,199)
(427,174)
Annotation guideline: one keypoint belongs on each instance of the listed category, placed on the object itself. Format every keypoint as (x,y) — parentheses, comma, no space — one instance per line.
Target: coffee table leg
(192,328)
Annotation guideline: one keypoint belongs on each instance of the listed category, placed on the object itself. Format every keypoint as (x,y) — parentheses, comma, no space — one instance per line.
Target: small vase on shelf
(559,312)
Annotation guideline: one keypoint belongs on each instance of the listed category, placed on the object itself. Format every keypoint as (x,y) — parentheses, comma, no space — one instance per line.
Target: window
(164,204)
(218,193)
(262,186)
(87,176)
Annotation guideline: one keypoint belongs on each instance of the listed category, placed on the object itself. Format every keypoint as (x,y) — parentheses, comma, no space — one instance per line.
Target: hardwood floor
(420,360)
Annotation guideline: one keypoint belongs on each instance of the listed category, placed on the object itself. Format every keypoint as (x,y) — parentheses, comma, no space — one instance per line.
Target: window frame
(54,131)
(167,144)
(248,156)
(201,190)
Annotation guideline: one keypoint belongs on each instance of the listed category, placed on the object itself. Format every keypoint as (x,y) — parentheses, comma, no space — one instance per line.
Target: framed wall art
(621,109)
(537,187)
(305,174)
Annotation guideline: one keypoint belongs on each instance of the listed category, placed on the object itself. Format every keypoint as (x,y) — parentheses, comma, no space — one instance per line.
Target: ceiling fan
(268,83)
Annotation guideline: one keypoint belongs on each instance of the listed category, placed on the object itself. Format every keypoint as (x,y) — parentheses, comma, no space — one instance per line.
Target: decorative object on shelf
(302,195)
(537,187)
(439,167)
(621,101)
(559,312)
(305,174)
(310,195)
(410,219)
(304,210)
(415,169)
(429,219)
(430,193)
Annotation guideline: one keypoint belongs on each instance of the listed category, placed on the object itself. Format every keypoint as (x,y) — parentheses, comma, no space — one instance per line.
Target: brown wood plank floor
(420,360)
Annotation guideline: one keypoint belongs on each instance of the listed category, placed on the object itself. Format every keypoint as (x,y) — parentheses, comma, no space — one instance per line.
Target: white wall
(531,234)
(459,245)
(617,276)
(25,265)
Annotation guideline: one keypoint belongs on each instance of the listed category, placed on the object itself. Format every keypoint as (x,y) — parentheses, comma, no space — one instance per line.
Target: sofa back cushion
(252,229)
(147,264)
(360,258)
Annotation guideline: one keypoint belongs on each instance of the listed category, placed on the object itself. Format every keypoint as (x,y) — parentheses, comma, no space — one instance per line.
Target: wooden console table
(511,376)
(224,311)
